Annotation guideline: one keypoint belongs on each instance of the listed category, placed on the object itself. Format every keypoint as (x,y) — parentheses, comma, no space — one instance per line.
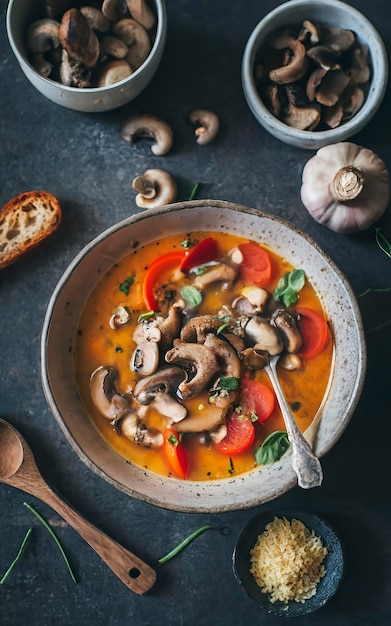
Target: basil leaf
(229,383)
(191,295)
(126,284)
(288,287)
(272,449)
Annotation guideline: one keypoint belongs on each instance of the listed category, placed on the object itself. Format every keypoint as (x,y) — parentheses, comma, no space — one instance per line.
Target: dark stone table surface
(82,159)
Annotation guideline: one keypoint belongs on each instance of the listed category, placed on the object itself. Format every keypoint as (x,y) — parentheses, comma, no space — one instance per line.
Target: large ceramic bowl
(329,12)
(21,13)
(60,325)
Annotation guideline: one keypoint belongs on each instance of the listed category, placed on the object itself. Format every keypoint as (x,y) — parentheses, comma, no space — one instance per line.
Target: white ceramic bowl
(333,13)
(60,325)
(21,13)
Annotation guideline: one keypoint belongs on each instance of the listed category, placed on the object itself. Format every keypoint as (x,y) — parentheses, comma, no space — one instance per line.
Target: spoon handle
(305,464)
(132,571)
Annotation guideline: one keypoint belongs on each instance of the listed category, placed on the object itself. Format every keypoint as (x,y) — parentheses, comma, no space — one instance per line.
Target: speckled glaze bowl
(263,483)
(333,13)
(21,13)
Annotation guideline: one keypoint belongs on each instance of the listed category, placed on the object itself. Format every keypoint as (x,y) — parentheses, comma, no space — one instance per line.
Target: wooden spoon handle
(132,571)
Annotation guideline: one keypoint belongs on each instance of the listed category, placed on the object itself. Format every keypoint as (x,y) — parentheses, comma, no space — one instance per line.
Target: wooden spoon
(18,469)
(304,462)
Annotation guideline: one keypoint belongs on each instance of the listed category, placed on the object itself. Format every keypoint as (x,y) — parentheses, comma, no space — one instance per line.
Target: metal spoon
(18,469)
(304,462)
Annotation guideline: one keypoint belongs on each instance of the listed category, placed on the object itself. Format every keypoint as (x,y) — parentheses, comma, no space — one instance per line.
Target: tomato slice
(314,331)
(159,269)
(240,435)
(256,267)
(175,453)
(205,251)
(255,397)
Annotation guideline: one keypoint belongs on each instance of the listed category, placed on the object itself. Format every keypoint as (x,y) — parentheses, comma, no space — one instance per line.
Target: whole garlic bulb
(345,187)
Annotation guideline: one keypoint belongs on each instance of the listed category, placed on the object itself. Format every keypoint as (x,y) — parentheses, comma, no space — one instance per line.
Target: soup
(171,346)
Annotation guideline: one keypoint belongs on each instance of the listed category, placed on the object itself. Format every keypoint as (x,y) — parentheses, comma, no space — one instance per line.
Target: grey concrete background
(82,159)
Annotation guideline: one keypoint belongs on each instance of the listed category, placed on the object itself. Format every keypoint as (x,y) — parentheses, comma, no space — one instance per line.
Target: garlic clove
(345,187)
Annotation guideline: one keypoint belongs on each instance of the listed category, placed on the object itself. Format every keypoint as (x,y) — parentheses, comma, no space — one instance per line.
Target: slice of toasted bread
(25,221)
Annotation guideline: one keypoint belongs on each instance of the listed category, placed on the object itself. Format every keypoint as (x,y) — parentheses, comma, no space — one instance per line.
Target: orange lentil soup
(98,344)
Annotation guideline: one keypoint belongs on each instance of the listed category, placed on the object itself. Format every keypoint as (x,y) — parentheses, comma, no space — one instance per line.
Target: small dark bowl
(334,562)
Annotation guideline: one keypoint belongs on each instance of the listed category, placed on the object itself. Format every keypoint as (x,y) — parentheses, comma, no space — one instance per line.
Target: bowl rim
(268,120)
(335,560)
(159,40)
(195,502)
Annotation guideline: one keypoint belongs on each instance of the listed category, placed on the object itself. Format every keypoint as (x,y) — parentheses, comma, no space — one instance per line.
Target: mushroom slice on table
(160,389)
(207,125)
(105,397)
(148,127)
(198,361)
(154,188)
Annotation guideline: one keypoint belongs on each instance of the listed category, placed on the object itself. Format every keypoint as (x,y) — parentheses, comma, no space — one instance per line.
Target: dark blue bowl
(327,586)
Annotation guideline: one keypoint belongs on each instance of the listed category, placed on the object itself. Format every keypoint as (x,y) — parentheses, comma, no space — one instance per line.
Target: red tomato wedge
(314,331)
(175,453)
(255,397)
(256,267)
(240,435)
(205,251)
(157,272)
